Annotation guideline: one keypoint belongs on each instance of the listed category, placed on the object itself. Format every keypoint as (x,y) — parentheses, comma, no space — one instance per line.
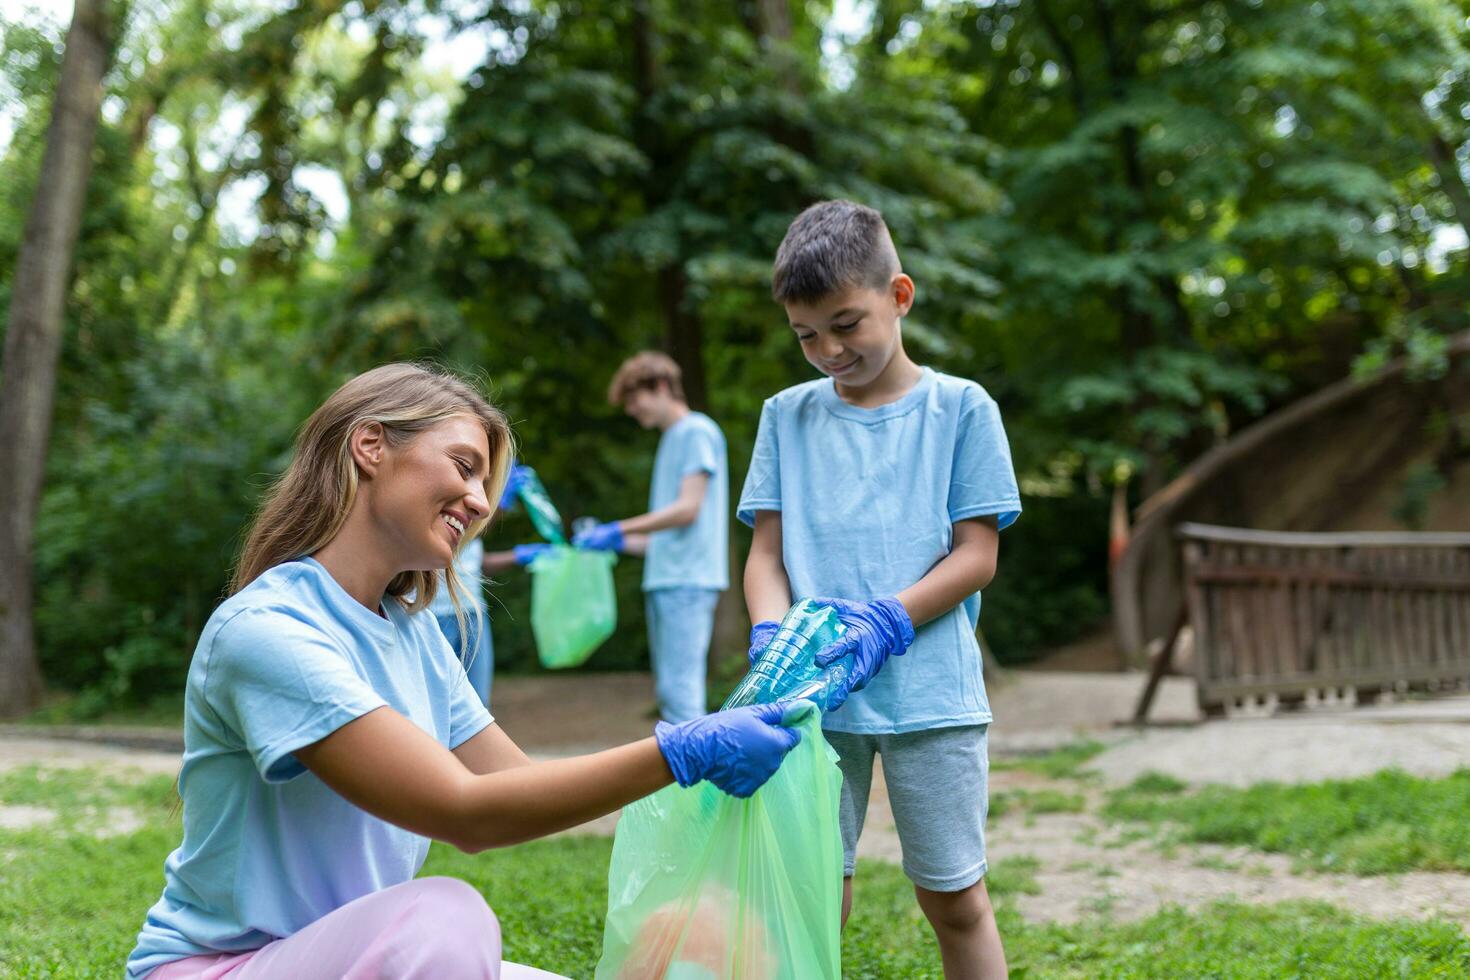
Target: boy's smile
(853,337)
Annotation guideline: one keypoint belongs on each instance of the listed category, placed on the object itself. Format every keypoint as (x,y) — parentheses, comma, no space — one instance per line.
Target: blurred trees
(33,336)
(1139,224)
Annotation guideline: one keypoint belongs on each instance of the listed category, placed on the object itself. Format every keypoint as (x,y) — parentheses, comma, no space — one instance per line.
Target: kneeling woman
(330,732)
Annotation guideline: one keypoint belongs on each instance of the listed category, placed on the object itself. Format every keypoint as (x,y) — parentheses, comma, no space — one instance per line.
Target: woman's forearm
(503,808)
(388,766)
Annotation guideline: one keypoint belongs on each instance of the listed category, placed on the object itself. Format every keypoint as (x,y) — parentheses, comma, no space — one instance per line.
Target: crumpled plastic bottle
(786,669)
(539,508)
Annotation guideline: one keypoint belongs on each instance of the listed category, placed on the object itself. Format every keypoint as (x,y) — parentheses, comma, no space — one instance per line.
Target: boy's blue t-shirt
(268,848)
(695,556)
(868,498)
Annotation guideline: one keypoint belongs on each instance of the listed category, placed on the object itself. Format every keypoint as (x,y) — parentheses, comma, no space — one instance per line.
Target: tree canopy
(1139,224)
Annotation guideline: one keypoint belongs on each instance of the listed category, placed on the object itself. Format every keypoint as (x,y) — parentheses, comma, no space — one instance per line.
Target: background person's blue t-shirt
(468,568)
(268,848)
(868,498)
(695,556)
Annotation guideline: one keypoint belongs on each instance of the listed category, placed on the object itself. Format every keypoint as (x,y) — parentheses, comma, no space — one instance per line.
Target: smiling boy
(881,489)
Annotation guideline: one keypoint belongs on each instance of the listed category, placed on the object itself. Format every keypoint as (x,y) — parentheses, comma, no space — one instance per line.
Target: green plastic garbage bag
(704,885)
(573,606)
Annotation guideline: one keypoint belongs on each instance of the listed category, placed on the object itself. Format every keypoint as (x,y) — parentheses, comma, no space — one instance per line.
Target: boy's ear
(366,444)
(902,289)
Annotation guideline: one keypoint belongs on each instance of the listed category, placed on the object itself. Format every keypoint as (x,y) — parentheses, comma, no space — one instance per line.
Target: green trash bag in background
(573,606)
(704,886)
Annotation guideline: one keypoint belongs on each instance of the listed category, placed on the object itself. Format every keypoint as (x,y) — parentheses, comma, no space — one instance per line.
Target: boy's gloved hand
(760,635)
(737,750)
(876,631)
(527,553)
(603,537)
(513,483)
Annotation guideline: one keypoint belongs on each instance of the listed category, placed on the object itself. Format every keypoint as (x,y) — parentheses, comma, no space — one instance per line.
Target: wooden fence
(1280,617)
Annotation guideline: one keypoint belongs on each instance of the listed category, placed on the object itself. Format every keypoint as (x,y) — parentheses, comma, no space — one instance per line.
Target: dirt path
(1084,866)
(1088,867)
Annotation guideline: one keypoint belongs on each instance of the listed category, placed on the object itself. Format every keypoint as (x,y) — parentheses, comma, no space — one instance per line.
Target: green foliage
(1380,824)
(1140,226)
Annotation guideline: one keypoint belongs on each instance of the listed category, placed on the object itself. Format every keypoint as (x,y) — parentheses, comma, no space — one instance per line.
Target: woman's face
(429,490)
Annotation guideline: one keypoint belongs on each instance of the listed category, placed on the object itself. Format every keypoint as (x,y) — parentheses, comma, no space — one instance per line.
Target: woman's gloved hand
(876,631)
(760,637)
(737,750)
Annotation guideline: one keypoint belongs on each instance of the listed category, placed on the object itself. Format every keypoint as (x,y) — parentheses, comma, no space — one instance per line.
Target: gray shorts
(937,785)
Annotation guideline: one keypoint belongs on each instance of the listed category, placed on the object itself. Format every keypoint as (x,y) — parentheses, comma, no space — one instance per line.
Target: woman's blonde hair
(306,506)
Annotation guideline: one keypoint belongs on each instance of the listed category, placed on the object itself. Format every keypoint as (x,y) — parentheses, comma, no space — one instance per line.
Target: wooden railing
(1282,617)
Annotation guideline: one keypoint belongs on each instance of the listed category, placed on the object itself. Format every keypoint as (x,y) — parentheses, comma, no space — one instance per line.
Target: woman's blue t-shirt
(268,848)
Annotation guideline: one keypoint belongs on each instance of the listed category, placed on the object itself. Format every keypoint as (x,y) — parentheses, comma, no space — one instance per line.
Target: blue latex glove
(760,635)
(527,553)
(513,483)
(876,631)
(737,750)
(603,537)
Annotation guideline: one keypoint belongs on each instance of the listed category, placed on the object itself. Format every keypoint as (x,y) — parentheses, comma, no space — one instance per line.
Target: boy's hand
(527,553)
(760,636)
(737,750)
(603,537)
(876,631)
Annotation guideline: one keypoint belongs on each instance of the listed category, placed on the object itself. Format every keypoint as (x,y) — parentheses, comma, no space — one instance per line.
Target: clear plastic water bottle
(786,669)
(539,508)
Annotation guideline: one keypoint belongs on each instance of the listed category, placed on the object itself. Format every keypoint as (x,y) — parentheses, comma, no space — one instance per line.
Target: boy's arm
(630,536)
(496,562)
(767,589)
(681,513)
(968,568)
(883,627)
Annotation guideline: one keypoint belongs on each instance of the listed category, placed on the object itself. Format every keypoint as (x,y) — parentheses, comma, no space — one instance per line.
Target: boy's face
(648,406)
(852,335)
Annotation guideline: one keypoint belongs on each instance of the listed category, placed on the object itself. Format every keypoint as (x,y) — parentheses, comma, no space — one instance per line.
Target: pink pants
(425,929)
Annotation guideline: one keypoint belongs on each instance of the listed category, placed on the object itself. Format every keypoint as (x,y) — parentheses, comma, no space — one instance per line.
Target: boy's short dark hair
(645,369)
(831,246)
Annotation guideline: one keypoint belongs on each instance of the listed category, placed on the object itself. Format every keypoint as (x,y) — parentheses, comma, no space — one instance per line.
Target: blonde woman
(330,732)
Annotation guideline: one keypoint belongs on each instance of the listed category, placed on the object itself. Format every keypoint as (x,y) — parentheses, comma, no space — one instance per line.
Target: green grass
(71,905)
(83,709)
(1035,801)
(1063,763)
(1384,823)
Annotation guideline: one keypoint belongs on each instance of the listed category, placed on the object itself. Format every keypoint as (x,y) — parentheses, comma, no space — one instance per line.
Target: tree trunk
(33,339)
(1442,155)
(683,336)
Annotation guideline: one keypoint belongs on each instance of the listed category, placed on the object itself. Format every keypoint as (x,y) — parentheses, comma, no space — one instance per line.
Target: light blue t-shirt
(468,568)
(268,848)
(695,556)
(868,498)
